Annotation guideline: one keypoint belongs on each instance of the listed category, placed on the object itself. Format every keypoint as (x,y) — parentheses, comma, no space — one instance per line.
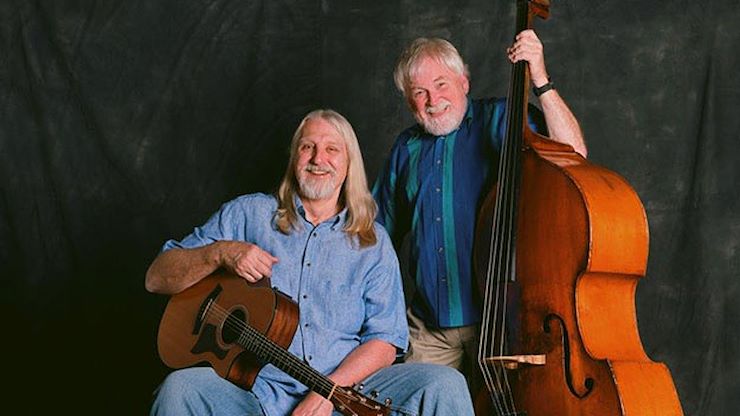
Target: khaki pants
(453,347)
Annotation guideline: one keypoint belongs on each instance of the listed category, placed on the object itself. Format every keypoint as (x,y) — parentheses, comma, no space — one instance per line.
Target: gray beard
(318,189)
(442,127)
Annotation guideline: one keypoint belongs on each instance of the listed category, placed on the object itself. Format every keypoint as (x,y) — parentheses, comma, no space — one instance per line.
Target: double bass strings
(486,346)
(501,258)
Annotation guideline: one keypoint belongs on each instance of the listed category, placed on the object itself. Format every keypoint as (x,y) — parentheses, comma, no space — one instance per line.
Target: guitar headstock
(351,403)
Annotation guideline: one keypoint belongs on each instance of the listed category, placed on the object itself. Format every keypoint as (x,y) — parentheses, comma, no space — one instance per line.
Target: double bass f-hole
(588,383)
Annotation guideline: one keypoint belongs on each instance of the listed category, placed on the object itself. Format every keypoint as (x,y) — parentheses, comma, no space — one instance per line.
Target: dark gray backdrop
(124,123)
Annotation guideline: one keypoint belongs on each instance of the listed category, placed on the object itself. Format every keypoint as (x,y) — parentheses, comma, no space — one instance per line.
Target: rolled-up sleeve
(225,224)
(385,315)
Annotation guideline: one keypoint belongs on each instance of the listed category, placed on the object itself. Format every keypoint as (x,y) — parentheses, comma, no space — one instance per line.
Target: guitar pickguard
(207,342)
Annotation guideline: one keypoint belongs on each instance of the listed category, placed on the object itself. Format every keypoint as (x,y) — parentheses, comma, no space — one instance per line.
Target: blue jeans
(415,390)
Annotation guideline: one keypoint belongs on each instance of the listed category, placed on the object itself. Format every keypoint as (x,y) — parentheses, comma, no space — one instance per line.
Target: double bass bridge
(512,362)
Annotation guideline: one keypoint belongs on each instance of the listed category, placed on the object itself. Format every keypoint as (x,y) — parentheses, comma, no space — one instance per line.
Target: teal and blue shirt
(431,189)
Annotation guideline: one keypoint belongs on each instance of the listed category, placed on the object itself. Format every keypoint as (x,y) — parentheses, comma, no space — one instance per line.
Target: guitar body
(237,327)
(188,336)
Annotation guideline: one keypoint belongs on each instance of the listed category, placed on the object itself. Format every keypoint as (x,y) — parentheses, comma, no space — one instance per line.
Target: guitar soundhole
(233,326)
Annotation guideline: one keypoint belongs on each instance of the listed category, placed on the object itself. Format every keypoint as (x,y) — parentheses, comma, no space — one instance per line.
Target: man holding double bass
(567,245)
(436,176)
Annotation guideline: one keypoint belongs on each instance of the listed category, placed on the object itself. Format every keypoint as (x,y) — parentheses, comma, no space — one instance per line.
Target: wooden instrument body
(237,327)
(269,312)
(581,249)
(566,250)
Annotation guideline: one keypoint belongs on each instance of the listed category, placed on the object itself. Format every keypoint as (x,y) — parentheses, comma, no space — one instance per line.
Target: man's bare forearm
(363,361)
(179,268)
(561,122)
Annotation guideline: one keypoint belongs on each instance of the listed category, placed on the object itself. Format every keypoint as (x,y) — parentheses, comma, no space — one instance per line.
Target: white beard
(446,124)
(317,188)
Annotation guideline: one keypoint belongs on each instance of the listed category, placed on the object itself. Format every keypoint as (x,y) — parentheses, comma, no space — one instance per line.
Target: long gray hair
(355,195)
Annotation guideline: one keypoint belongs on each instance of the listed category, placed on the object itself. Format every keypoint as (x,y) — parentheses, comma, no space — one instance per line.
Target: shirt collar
(333,222)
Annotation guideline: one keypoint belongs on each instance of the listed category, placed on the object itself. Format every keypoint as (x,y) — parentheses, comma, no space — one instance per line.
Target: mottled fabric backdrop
(124,123)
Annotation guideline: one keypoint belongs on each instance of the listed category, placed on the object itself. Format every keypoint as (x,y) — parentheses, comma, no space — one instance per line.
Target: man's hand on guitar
(248,261)
(313,404)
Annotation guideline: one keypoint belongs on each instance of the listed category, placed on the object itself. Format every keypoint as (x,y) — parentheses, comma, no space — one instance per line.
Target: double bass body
(566,244)
(581,249)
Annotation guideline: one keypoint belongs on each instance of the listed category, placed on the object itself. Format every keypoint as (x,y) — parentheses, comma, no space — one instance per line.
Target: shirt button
(305,325)
(438,219)
(437,189)
(310,357)
(314,234)
(439,161)
(441,249)
(308,264)
(305,296)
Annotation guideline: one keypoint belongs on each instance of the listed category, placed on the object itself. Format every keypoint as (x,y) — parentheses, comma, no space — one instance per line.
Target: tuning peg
(388,401)
(374,394)
(359,387)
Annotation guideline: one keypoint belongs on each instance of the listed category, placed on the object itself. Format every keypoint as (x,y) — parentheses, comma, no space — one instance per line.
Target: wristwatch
(543,89)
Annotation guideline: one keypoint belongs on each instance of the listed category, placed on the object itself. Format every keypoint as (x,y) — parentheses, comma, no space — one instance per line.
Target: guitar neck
(255,342)
(345,401)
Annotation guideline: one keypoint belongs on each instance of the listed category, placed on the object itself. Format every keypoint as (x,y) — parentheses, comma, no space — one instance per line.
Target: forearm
(561,122)
(177,269)
(364,361)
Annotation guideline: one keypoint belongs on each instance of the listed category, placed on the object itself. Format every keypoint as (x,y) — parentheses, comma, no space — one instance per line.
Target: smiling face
(437,96)
(322,162)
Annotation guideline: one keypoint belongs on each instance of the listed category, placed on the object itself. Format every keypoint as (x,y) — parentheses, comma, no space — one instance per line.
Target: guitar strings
(303,370)
(267,348)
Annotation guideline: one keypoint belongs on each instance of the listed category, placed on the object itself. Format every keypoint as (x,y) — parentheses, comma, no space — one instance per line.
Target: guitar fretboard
(266,350)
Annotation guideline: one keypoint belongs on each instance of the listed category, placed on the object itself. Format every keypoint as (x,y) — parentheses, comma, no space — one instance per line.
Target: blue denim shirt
(347,295)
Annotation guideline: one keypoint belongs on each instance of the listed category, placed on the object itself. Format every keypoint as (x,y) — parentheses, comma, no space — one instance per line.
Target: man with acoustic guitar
(317,242)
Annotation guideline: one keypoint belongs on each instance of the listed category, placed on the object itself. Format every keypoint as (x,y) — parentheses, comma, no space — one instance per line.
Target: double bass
(560,248)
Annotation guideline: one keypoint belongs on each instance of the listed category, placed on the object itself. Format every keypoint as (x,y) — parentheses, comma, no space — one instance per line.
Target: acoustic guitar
(237,328)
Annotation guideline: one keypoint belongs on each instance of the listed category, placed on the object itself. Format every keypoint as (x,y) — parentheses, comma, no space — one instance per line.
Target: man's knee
(175,383)
(444,380)
(434,379)
(179,389)
(445,392)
